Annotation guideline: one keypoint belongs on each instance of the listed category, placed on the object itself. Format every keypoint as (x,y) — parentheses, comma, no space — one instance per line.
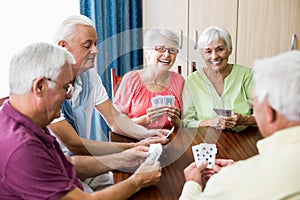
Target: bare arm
(146,175)
(89,166)
(122,124)
(80,146)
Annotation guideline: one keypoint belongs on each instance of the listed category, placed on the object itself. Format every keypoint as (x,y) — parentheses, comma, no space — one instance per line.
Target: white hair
(278,80)
(66,29)
(151,36)
(213,34)
(36,60)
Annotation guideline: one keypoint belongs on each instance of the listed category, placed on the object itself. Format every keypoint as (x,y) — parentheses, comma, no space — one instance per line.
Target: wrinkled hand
(156,132)
(226,122)
(194,173)
(147,174)
(218,122)
(132,158)
(152,140)
(154,113)
(173,113)
(219,164)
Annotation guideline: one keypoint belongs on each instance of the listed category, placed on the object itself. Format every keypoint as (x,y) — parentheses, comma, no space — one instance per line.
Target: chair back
(2,100)
(115,81)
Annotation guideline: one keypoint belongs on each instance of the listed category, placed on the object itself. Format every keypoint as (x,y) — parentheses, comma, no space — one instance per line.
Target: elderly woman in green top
(218,85)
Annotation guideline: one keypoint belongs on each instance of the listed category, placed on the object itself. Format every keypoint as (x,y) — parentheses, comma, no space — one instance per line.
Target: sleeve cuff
(191,190)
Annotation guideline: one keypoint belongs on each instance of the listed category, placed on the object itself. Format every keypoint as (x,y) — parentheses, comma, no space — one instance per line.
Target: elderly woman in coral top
(138,87)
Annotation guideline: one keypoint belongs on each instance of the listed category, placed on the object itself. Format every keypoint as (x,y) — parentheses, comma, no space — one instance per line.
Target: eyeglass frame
(68,86)
(173,51)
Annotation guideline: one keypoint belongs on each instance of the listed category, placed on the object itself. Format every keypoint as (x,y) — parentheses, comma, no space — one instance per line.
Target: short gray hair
(278,79)
(36,60)
(66,29)
(151,35)
(213,34)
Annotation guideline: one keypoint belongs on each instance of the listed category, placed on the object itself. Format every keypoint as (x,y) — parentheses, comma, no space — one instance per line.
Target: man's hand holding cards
(205,152)
(155,151)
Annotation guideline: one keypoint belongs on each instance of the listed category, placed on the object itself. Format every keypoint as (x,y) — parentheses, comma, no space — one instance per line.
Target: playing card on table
(170,132)
(155,151)
(205,152)
(223,112)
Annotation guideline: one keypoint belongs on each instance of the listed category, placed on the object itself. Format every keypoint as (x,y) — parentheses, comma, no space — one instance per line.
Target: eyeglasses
(163,49)
(68,87)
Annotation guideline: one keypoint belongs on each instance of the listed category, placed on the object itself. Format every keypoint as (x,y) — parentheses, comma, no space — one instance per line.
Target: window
(25,22)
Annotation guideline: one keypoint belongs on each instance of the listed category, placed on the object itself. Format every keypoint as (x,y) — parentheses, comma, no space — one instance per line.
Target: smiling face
(216,55)
(162,60)
(83,46)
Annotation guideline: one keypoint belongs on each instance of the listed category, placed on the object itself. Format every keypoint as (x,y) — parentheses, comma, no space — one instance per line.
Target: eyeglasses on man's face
(68,87)
(163,49)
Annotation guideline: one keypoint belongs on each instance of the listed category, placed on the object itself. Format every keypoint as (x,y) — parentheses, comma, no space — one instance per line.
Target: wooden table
(178,154)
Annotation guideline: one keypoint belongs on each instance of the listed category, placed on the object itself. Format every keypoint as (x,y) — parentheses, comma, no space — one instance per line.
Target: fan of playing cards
(205,152)
(163,100)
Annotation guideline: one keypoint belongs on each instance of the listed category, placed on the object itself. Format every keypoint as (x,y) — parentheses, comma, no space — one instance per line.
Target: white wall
(25,21)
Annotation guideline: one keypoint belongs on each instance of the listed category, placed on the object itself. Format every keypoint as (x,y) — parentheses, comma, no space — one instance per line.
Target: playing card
(157,101)
(170,132)
(169,100)
(155,151)
(163,100)
(223,112)
(205,152)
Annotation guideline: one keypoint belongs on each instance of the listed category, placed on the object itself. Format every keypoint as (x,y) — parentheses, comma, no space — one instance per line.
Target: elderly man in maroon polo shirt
(32,165)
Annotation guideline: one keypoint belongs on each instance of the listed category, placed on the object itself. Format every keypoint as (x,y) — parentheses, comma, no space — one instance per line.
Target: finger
(143,148)
(191,166)
(161,132)
(156,116)
(157,109)
(223,162)
(151,109)
(202,166)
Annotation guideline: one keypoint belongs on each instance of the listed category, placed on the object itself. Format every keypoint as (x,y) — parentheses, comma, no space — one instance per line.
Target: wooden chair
(115,81)
(192,67)
(2,100)
(179,69)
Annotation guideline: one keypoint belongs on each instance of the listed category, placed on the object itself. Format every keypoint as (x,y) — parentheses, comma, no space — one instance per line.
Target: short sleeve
(100,94)
(126,91)
(41,176)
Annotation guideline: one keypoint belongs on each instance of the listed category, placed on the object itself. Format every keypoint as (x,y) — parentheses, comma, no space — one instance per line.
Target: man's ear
(38,86)
(271,114)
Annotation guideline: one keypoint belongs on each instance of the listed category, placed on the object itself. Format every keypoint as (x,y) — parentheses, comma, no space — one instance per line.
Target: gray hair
(278,79)
(66,29)
(152,34)
(213,34)
(36,60)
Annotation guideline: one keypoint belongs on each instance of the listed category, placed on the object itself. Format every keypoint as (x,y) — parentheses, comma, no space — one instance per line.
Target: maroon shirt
(32,165)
